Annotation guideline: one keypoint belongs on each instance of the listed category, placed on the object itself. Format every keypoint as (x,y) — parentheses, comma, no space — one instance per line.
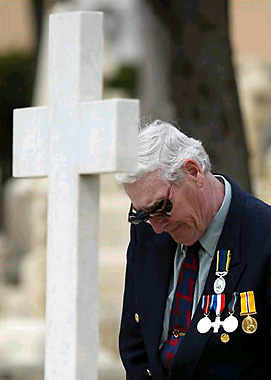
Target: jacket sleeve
(131,344)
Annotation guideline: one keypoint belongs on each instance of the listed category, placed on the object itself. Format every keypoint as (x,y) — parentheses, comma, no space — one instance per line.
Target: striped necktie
(180,317)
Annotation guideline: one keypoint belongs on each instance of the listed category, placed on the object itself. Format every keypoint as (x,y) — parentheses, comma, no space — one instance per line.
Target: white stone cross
(72,141)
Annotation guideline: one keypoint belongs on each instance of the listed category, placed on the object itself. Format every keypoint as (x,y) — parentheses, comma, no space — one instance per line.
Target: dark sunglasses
(162,210)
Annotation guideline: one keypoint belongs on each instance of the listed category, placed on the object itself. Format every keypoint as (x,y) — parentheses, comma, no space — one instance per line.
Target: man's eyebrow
(155,204)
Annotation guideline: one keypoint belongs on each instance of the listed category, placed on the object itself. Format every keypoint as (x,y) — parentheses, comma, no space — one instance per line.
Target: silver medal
(230,324)
(219,285)
(204,325)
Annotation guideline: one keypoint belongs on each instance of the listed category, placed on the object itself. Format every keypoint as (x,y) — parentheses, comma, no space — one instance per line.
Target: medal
(249,325)
(223,259)
(209,302)
(224,338)
(218,304)
(219,285)
(205,323)
(230,324)
(248,308)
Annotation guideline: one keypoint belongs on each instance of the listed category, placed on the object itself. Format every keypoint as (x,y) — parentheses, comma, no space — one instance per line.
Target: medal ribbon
(231,306)
(206,302)
(247,303)
(223,259)
(218,303)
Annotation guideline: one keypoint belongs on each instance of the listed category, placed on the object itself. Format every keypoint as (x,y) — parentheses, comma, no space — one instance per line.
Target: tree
(202,81)
(37,9)
(17,71)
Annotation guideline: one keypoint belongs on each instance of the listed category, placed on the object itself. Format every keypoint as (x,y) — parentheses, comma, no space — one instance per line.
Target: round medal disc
(204,325)
(230,324)
(224,338)
(219,285)
(249,325)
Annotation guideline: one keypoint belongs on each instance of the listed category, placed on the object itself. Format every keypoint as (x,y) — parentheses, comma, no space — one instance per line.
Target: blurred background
(205,64)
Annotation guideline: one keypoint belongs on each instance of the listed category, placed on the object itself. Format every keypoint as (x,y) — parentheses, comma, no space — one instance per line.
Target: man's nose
(158,224)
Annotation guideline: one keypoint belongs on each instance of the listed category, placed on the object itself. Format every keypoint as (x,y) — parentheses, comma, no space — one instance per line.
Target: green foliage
(16,85)
(126,78)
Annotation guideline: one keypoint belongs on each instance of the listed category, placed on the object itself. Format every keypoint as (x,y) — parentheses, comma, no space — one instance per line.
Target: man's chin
(181,239)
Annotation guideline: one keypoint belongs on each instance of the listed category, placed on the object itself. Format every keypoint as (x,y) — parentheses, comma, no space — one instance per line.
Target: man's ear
(192,168)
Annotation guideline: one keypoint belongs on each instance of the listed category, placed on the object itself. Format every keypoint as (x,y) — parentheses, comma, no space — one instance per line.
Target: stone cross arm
(100,140)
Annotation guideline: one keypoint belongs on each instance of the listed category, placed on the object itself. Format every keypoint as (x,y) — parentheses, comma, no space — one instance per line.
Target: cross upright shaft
(71,288)
(76,55)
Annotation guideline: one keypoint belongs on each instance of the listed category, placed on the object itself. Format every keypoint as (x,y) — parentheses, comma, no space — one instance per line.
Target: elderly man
(197,296)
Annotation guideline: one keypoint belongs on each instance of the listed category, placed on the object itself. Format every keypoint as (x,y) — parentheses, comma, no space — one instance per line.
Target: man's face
(188,218)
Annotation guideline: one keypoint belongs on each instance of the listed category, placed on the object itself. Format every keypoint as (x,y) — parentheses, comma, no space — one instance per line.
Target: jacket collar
(212,234)
(152,277)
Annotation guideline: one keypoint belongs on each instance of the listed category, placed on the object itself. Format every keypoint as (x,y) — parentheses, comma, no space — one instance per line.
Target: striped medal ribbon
(223,259)
(205,323)
(218,304)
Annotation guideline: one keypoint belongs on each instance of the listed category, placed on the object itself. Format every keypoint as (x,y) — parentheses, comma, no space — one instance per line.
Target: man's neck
(216,193)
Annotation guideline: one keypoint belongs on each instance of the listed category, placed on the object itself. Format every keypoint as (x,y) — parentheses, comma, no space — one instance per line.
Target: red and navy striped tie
(180,317)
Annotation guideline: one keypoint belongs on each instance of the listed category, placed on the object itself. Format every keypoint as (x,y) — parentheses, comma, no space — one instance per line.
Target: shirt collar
(211,235)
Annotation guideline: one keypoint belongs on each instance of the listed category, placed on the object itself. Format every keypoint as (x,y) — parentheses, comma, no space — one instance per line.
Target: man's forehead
(152,181)
(146,192)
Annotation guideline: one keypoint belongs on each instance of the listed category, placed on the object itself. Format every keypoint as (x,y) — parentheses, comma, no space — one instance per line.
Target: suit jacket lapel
(230,240)
(193,344)
(156,273)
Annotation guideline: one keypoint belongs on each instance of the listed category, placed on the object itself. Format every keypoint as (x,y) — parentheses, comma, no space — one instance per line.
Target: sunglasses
(162,210)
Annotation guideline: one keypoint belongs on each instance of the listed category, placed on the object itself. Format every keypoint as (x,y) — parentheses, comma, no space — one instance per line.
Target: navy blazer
(150,259)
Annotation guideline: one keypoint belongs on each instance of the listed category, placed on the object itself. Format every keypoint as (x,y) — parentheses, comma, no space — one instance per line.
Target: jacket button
(149,372)
(136,318)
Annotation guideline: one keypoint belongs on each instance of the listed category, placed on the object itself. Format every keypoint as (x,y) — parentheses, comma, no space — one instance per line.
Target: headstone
(72,141)
(21,348)
(25,203)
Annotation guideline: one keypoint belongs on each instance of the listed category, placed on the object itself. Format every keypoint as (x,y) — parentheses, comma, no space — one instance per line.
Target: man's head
(162,146)
(173,188)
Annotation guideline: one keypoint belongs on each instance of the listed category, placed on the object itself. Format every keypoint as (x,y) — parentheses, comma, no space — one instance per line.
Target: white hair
(164,147)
